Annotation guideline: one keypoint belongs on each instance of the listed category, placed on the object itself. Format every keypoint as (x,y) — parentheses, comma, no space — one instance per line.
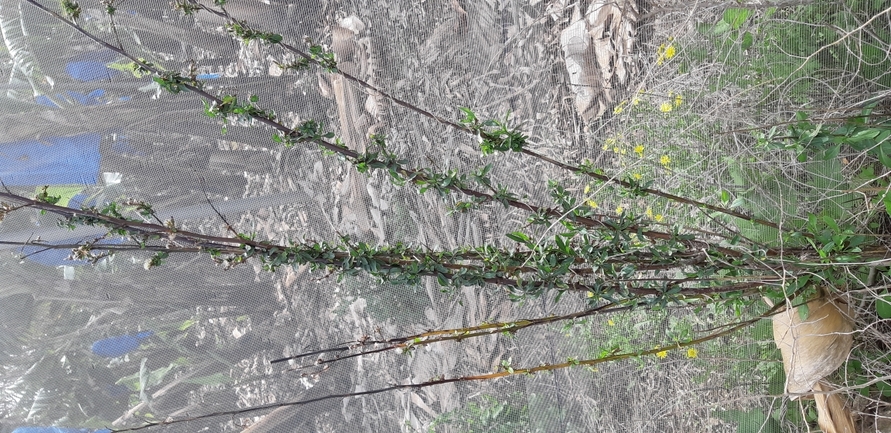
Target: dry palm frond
(814,347)
(815,341)
(597,49)
(832,415)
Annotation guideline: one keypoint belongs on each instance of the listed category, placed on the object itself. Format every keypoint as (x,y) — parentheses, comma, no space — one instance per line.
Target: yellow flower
(662,354)
(664,52)
(692,353)
(658,217)
(678,100)
(670,52)
(610,322)
(592,204)
(665,160)
(590,294)
(666,107)
(639,150)
(587,189)
(637,176)
(660,55)
(649,212)
(615,149)
(635,101)
(619,210)
(620,108)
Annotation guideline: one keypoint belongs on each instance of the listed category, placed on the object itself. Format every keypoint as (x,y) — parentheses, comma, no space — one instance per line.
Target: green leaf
(721,27)
(831,152)
(518,237)
(736,17)
(803,311)
(776,385)
(831,223)
(883,306)
(884,158)
(866,134)
(186,324)
(887,200)
(884,388)
(747,40)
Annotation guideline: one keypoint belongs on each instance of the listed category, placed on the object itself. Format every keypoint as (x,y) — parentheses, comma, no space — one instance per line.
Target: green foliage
(43,196)
(309,130)
(750,421)
(71,9)
(883,306)
(247,34)
(784,52)
(174,82)
(495,136)
(621,259)
(857,374)
(316,54)
(490,415)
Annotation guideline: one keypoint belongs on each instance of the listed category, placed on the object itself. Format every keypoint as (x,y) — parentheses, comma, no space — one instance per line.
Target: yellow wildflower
(665,160)
(592,204)
(619,210)
(666,107)
(678,100)
(665,52)
(635,101)
(670,52)
(637,176)
(662,355)
(658,217)
(639,150)
(610,322)
(620,108)
(587,189)
(649,212)
(692,353)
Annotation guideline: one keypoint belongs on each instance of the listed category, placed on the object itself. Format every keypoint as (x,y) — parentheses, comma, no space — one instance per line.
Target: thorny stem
(565,166)
(481,377)
(401,261)
(457,334)
(416,176)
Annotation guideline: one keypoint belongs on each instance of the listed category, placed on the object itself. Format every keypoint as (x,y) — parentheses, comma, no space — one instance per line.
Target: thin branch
(481,377)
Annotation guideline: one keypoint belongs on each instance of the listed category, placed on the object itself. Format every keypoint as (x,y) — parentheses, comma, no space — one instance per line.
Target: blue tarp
(51,161)
(90,66)
(113,347)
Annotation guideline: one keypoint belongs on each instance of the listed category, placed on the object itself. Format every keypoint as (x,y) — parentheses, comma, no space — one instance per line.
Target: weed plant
(680,216)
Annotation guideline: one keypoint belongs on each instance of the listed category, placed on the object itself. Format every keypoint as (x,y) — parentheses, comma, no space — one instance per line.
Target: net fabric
(215,332)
